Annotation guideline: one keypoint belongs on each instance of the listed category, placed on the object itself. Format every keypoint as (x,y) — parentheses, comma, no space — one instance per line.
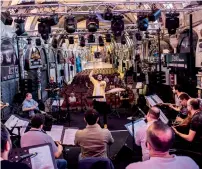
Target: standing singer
(99,90)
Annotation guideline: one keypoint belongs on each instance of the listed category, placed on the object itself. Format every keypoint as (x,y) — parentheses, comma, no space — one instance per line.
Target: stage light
(20,26)
(108,14)
(101,42)
(29,41)
(44,28)
(123,40)
(70,24)
(155,15)
(53,20)
(131,35)
(92,23)
(138,36)
(91,38)
(71,39)
(6,18)
(108,37)
(38,42)
(172,22)
(117,25)
(82,41)
(143,23)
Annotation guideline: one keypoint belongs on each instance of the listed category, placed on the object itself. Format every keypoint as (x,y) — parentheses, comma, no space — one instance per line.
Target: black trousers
(103,109)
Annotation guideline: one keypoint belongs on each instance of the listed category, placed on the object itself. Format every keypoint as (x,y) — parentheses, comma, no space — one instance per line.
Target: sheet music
(11,122)
(69,136)
(158,100)
(151,102)
(43,159)
(163,118)
(137,124)
(56,132)
(56,102)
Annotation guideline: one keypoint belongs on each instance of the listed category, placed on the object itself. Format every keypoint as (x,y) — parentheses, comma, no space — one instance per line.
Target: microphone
(25,156)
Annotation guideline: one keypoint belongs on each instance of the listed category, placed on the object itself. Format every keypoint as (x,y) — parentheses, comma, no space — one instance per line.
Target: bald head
(52,78)
(154,112)
(160,136)
(193,104)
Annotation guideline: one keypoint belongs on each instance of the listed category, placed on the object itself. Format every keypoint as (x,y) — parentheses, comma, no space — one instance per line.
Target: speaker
(26,85)
(71,68)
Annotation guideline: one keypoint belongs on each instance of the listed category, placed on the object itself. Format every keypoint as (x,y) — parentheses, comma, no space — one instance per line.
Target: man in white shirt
(140,136)
(160,138)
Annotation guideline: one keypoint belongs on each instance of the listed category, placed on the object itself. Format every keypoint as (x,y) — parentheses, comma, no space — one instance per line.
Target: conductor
(99,90)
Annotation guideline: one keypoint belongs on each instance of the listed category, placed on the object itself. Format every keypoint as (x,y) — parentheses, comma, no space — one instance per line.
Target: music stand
(43,158)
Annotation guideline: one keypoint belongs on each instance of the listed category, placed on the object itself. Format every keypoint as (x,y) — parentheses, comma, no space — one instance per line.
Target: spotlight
(91,38)
(82,41)
(29,41)
(108,14)
(20,26)
(38,42)
(44,28)
(142,23)
(123,40)
(53,20)
(138,36)
(92,23)
(117,25)
(55,43)
(155,15)
(71,39)
(108,37)
(70,24)
(172,22)
(101,42)
(6,18)
(131,35)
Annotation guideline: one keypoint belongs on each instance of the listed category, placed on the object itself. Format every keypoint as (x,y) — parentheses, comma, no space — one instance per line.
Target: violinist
(195,120)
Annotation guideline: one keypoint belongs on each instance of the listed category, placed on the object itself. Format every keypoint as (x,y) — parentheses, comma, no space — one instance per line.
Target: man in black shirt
(5,149)
(195,131)
(52,88)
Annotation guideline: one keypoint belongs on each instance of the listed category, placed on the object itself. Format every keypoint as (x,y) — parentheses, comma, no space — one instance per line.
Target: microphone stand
(133,133)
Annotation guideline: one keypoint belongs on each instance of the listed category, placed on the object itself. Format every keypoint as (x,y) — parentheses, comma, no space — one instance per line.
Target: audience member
(160,138)
(37,136)
(93,139)
(29,105)
(195,131)
(72,98)
(6,146)
(140,136)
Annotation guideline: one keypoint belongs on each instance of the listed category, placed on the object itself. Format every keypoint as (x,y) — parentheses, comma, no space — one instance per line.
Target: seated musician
(177,91)
(52,88)
(183,112)
(6,146)
(93,139)
(30,105)
(72,98)
(3,105)
(37,136)
(140,136)
(195,120)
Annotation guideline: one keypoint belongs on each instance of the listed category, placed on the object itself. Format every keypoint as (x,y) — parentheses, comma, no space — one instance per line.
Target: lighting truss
(87,7)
